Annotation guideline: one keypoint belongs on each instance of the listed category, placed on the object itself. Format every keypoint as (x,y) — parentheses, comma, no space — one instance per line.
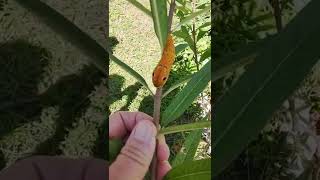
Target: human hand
(136,155)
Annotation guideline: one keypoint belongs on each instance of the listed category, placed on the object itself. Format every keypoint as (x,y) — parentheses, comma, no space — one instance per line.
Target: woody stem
(156,118)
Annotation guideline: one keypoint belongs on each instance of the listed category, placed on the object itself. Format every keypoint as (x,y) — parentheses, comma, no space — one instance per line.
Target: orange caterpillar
(161,72)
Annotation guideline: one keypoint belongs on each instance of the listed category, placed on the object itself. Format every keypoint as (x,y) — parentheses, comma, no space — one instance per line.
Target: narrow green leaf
(194,145)
(201,34)
(263,17)
(193,15)
(177,84)
(192,170)
(128,69)
(189,148)
(206,54)
(185,127)
(188,94)
(184,34)
(277,72)
(262,28)
(179,48)
(115,146)
(160,20)
(205,25)
(141,7)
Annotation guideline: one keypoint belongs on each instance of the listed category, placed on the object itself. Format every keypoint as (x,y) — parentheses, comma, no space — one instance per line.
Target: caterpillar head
(160,75)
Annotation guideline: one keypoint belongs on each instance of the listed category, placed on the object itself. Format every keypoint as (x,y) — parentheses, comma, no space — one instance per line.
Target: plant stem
(277,14)
(157,103)
(172,6)
(157,106)
(156,118)
(194,36)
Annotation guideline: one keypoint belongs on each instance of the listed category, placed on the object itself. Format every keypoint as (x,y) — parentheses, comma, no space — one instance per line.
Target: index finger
(121,123)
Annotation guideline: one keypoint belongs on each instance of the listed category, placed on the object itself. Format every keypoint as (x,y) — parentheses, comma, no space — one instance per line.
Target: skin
(134,160)
(161,72)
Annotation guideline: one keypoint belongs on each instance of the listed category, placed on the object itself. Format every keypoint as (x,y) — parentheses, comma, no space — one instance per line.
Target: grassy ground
(138,47)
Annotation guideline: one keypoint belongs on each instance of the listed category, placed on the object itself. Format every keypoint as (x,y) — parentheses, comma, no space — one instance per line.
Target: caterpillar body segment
(161,72)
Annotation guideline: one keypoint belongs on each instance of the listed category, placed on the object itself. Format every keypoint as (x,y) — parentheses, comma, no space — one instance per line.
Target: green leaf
(189,148)
(141,7)
(115,146)
(263,17)
(160,20)
(206,54)
(277,72)
(187,95)
(201,34)
(193,15)
(184,34)
(262,28)
(194,145)
(128,69)
(192,170)
(180,48)
(185,127)
(177,84)
(205,25)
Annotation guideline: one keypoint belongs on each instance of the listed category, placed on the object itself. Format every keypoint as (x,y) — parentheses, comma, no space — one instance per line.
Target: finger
(121,123)
(163,168)
(163,151)
(135,157)
(163,154)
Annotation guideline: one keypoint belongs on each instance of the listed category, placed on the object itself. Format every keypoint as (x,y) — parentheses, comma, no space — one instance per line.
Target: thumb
(135,157)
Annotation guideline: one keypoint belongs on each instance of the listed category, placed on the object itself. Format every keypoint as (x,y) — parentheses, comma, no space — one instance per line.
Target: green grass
(138,47)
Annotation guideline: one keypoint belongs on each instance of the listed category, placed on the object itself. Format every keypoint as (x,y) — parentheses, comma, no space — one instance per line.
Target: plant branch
(277,14)
(171,11)
(156,118)
(194,36)
(157,106)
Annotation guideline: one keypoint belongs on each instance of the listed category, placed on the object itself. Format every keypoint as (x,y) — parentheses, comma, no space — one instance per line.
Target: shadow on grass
(70,94)
(113,42)
(2,161)
(116,83)
(21,68)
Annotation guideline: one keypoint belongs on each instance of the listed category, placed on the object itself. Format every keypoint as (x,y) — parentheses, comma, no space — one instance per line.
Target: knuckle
(135,154)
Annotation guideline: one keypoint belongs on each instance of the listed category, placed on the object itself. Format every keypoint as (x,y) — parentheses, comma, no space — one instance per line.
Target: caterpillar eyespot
(161,72)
